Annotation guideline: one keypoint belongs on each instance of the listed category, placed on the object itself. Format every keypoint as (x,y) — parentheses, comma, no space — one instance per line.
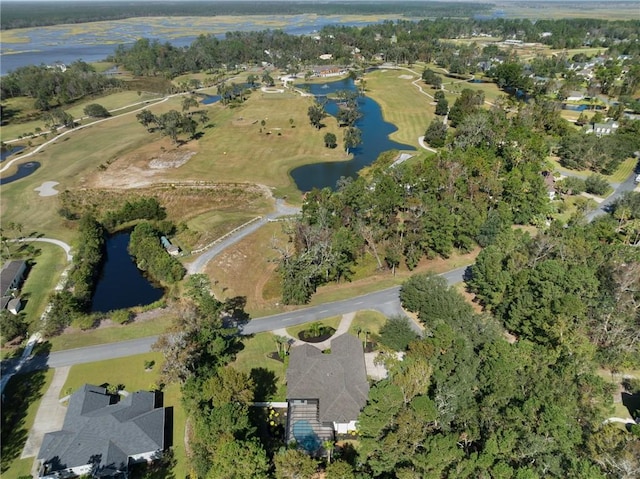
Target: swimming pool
(305,436)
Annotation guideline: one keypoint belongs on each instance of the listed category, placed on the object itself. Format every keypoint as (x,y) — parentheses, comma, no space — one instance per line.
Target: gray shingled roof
(8,273)
(338,380)
(99,430)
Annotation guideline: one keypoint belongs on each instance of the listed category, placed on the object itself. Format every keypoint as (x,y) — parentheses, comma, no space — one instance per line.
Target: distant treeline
(35,14)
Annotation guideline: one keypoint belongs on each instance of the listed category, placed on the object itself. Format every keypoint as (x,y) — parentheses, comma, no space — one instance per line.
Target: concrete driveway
(50,415)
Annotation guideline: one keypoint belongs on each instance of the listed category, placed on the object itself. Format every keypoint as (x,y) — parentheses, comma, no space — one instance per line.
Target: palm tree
(315,329)
(328,446)
(281,341)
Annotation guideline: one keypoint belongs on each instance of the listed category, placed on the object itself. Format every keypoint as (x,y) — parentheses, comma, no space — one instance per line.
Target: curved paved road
(201,261)
(624,187)
(386,301)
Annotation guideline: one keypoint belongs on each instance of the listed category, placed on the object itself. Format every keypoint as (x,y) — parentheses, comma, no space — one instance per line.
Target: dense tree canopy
(53,86)
(465,402)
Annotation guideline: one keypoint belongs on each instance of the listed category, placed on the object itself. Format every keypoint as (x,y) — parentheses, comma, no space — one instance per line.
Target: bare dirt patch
(246,267)
(144,166)
(171,159)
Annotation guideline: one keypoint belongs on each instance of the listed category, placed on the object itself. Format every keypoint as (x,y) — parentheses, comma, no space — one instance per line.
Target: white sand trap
(47,188)
(406,77)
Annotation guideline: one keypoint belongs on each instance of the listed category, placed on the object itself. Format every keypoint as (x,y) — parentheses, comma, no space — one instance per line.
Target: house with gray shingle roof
(325,392)
(102,435)
(11,276)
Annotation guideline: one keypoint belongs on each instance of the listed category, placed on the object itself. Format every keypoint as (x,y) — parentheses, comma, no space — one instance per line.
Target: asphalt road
(386,301)
(628,185)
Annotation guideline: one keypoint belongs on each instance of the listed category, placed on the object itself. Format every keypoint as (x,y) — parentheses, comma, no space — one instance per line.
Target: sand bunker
(406,77)
(47,188)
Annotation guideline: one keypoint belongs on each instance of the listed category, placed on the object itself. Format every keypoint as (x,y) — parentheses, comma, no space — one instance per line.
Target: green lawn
(622,173)
(21,401)
(111,334)
(69,161)
(269,374)
(110,102)
(368,320)
(130,372)
(402,103)
(624,170)
(42,279)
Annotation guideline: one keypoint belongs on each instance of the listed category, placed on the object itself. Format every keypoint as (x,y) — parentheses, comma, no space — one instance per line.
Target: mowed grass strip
(402,103)
(131,373)
(111,333)
(367,320)
(626,168)
(43,276)
(22,398)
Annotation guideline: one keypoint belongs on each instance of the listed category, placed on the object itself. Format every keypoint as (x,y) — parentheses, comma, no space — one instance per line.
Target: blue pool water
(305,436)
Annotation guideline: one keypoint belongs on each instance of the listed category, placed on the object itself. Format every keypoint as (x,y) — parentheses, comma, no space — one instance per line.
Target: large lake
(122,284)
(375,133)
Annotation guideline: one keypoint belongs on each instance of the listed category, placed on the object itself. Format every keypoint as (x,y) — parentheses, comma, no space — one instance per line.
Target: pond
(209,99)
(375,140)
(24,170)
(566,106)
(122,284)
(6,152)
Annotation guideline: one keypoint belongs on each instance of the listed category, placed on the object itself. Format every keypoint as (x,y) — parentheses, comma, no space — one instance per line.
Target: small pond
(209,99)
(566,106)
(122,284)
(375,140)
(24,170)
(6,152)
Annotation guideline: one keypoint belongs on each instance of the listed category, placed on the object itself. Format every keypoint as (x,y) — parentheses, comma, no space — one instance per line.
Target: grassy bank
(21,401)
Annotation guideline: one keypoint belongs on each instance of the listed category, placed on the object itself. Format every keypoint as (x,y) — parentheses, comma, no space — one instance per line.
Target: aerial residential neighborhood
(335,240)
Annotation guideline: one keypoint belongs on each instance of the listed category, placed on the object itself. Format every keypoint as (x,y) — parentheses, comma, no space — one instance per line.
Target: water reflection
(375,133)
